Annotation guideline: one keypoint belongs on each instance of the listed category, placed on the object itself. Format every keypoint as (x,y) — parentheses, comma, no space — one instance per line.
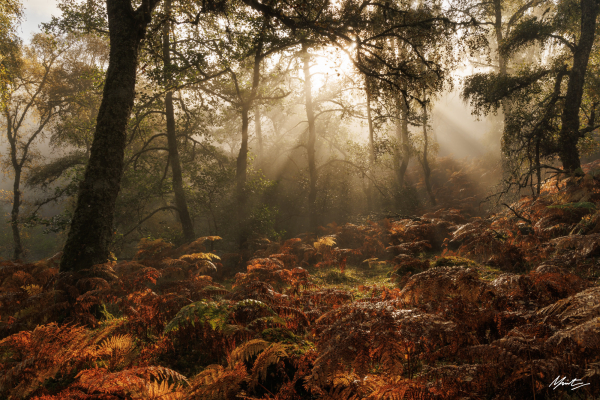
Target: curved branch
(150,216)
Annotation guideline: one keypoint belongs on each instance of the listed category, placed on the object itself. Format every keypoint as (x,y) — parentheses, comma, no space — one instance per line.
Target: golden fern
(162,391)
(324,242)
(32,290)
(118,348)
(218,383)
(193,258)
(139,383)
(247,350)
(28,359)
(152,249)
(271,355)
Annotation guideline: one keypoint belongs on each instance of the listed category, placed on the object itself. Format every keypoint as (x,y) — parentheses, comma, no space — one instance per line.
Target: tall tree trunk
(498,31)
(402,136)
(180,201)
(370,191)
(241,172)
(538,166)
(14,214)
(241,177)
(569,134)
(312,138)
(425,161)
(92,225)
(501,59)
(258,127)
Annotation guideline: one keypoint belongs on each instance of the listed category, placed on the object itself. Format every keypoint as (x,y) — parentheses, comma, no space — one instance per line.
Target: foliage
(504,313)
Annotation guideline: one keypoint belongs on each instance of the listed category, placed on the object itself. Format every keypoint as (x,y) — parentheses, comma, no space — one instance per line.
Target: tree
(546,122)
(11,12)
(78,84)
(570,132)
(31,105)
(92,224)
(180,200)
(245,42)
(312,137)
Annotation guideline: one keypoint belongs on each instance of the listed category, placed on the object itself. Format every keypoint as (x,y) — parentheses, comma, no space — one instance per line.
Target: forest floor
(440,306)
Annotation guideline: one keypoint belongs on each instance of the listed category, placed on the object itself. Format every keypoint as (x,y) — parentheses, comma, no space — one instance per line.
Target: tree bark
(242,165)
(403,139)
(14,217)
(242,159)
(370,191)
(312,138)
(425,161)
(258,127)
(92,225)
(14,213)
(569,134)
(501,58)
(498,31)
(180,201)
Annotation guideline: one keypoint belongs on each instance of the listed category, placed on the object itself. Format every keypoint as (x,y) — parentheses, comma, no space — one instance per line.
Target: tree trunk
(241,177)
(498,31)
(312,137)
(242,160)
(14,214)
(370,191)
(501,59)
(258,127)
(92,225)
(569,134)
(425,161)
(180,201)
(402,136)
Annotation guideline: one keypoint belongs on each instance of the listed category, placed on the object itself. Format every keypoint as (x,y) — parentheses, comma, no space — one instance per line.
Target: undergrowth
(442,306)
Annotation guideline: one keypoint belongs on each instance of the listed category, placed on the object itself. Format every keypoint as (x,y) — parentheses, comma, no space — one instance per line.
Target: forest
(300,199)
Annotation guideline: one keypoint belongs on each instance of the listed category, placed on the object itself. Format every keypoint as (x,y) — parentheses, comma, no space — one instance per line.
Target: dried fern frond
(218,383)
(155,249)
(196,246)
(118,348)
(324,242)
(30,358)
(271,355)
(32,290)
(193,258)
(247,350)
(573,310)
(139,383)
(162,391)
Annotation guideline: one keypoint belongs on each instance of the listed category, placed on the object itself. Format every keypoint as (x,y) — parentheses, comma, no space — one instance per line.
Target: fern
(218,383)
(271,355)
(118,348)
(324,242)
(193,258)
(139,383)
(216,314)
(247,350)
(30,358)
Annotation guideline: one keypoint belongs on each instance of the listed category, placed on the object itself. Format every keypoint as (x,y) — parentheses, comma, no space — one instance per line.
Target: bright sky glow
(36,12)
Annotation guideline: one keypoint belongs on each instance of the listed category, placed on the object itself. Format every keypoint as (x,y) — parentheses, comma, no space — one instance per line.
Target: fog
(348,189)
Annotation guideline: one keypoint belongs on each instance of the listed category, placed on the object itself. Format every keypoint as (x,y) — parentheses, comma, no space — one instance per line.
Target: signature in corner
(575,383)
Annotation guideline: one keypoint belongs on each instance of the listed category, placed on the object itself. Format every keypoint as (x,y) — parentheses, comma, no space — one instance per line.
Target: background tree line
(180,119)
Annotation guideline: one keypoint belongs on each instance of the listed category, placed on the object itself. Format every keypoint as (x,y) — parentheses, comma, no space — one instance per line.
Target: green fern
(216,314)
